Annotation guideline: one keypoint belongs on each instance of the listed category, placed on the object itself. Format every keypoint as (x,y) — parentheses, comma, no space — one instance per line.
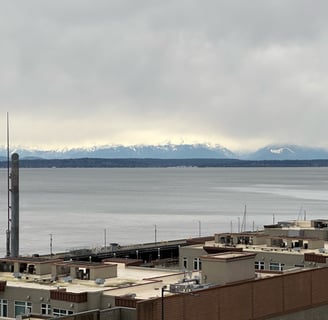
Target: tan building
(53,287)
(277,248)
(227,288)
(252,276)
(299,228)
(228,267)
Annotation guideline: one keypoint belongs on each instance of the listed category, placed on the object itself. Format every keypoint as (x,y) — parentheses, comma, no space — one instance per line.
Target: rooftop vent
(68,279)
(99,281)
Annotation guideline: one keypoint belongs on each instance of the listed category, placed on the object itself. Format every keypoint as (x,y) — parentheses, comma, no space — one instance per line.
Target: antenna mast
(8,193)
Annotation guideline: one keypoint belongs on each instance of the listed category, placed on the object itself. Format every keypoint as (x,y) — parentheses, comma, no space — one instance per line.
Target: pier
(148,253)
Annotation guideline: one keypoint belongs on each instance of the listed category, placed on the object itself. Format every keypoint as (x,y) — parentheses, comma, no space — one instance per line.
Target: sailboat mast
(243,224)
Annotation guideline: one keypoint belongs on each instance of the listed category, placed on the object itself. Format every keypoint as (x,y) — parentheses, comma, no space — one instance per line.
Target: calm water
(79,206)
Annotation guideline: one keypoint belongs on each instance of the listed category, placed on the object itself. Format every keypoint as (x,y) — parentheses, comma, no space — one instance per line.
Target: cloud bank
(237,73)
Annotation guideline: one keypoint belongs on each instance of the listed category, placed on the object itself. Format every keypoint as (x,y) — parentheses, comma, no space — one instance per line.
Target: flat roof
(243,234)
(147,281)
(84,264)
(144,282)
(35,260)
(229,256)
(295,238)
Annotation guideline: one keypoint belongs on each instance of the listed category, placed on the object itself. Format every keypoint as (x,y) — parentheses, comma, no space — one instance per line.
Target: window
(185,262)
(197,264)
(45,308)
(61,312)
(23,307)
(3,308)
(259,265)
(275,266)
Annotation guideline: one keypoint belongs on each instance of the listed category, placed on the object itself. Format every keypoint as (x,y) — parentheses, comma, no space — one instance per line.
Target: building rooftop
(229,256)
(144,283)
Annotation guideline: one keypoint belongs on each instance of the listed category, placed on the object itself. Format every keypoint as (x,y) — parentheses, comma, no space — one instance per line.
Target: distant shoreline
(163,163)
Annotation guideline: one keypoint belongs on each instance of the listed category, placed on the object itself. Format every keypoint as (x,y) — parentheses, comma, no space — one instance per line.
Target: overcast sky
(242,74)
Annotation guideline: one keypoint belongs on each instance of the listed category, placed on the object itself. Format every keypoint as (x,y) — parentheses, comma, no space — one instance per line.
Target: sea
(68,209)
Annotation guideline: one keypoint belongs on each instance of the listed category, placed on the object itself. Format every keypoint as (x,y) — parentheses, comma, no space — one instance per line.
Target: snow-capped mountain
(288,152)
(174,151)
(168,151)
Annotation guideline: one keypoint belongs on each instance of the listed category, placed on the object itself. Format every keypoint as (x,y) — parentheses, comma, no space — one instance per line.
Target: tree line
(162,163)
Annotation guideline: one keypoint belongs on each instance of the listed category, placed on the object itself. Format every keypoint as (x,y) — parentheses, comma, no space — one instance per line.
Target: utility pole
(155,234)
(51,244)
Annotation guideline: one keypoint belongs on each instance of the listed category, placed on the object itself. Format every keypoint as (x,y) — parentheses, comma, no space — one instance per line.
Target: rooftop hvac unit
(68,279)
(99,281)
(181,287)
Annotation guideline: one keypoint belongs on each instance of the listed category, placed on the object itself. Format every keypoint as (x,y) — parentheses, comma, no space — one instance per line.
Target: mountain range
(175,151)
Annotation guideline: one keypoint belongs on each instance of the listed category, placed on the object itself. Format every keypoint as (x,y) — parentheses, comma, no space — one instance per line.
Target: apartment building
(54,287)
(255,276)
(283,246)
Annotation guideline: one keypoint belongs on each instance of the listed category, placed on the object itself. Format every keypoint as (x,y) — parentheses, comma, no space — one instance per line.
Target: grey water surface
(93,207)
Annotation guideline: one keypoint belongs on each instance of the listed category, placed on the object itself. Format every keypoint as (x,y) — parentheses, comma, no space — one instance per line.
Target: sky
(240,74)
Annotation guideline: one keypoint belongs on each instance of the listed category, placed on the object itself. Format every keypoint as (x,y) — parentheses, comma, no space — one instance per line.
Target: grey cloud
(219,70)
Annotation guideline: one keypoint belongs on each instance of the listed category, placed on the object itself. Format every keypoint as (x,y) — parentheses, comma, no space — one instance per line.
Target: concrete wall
(94,300)
(224,271)
(44,268)
(104,272)
(107,301)
(251,300)
(40,296)
(40,268)
(60,270)
(277,232)
(289,259)
(307,233)
(190,252)
(108,271)
(317,233)
(36,297)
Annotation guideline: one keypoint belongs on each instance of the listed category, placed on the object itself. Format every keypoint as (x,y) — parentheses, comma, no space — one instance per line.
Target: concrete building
(229,267)
(236,276)
(280,247)
(228,287)
(53,287)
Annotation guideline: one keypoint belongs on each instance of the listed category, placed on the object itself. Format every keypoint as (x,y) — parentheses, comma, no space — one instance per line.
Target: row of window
(197,263)
(25,307)
(274,266)
(259,265)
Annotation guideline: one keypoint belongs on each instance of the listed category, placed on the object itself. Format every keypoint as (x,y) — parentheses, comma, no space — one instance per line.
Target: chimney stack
(14,205)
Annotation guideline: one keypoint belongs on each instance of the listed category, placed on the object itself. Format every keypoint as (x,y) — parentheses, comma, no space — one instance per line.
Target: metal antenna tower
(8,193)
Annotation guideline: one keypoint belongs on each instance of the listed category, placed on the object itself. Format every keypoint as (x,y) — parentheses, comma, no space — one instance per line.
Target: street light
(163,289)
